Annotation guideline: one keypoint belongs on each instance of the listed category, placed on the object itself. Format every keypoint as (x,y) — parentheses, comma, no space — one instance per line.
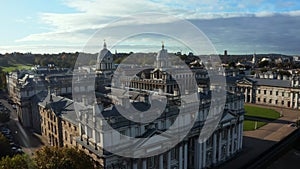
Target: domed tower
(104,59)
(162,58)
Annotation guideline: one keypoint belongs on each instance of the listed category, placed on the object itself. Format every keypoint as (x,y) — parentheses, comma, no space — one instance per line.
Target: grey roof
(61,106)
(272,82)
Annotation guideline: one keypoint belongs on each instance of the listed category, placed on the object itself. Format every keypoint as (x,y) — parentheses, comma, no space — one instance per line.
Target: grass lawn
(250,125)
(258,112)
(15,67)
(261,112)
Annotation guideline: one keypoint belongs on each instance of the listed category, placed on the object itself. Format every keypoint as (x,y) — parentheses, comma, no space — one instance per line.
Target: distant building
(283,93)
(27,88)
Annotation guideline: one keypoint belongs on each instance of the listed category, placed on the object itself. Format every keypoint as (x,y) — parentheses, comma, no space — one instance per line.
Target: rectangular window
(271,92)
(265,91)
(276,93)
(122,134)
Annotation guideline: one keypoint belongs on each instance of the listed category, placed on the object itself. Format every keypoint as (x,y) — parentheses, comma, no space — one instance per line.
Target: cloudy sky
(239,26)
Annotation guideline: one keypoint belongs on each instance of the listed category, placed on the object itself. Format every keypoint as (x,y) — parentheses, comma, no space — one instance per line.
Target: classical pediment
(245,81)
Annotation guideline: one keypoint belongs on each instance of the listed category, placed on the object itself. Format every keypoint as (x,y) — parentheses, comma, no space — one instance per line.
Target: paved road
(22,136)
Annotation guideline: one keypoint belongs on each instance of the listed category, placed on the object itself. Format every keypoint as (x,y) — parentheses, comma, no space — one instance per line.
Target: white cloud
(76,28)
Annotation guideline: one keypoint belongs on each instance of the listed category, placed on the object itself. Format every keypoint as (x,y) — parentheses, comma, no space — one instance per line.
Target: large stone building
(283,93)
(27,88)
(77,123)
(59,122)
(223,144)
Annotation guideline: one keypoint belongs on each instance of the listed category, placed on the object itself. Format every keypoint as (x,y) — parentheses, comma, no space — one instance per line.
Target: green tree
(4,116)
(61,158)
(232,64)
(263,64)
(17,162)
(4,146)
(2,79)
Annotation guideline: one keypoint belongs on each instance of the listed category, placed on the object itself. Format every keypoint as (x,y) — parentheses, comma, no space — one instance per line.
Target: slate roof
(61,106)
(272,82)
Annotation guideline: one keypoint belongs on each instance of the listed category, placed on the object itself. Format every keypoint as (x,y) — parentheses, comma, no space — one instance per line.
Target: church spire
(104,44)
(162,45)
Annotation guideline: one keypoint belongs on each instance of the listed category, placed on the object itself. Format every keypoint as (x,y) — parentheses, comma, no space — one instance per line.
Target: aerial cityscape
(150,85)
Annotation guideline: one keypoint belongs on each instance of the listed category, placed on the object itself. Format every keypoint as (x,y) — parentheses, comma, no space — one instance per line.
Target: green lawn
(258,112)
(250,125)
(261,112)
(16,67)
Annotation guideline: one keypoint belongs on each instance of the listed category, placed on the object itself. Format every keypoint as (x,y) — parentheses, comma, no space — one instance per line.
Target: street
(21,136)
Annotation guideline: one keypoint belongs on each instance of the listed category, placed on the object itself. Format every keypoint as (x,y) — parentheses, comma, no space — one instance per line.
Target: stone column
(185,162)
(238,136)
(214,148)
(232,140)
(241,135)
(204,155)
(251,95)
(144,163)
(169,159)
(296,100)
(161,161)
(220,146)
(200,162)
(196,154)
(180,157)
(228,142)
(134,166)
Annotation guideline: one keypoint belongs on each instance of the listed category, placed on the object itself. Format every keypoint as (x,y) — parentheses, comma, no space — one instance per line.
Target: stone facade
(225,142)
(283,93)
(58,121)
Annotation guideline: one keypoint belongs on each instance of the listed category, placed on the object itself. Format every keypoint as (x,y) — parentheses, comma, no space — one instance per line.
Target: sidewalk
(257,141)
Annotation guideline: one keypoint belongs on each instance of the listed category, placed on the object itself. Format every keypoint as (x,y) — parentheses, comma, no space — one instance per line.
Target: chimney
(49,93)
(84,100)
(55,92)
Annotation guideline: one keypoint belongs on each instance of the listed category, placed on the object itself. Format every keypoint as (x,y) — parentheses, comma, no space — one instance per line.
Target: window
(270,101)
(276,93)
(258,91)
(282,102)
(271,92)
(137,131)
(265,91)
(276,101)
(282,94)
(258,99)
(265,100)
(122,134)
(66,136)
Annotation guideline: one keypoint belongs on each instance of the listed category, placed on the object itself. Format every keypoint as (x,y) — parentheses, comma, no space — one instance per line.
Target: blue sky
(239,26)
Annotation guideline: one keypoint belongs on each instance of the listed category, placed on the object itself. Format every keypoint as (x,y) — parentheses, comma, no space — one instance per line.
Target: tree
(232,64)
(2,79)
(61,158)
(4,146)
(263,64)
(17,162)
(4,116)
